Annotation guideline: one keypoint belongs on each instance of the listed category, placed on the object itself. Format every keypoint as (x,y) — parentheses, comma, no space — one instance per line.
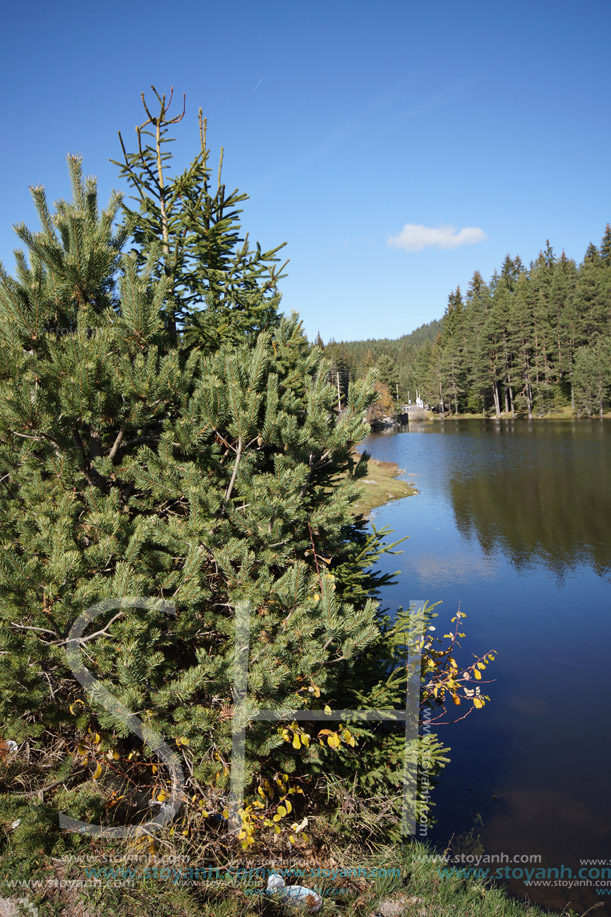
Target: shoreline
(382,485)
(555,415)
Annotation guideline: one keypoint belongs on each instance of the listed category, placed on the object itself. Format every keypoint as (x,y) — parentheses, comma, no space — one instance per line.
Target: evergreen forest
(531,341)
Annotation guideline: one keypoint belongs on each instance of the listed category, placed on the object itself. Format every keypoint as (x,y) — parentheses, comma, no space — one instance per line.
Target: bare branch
(117,443)
(229,490)
(98,633)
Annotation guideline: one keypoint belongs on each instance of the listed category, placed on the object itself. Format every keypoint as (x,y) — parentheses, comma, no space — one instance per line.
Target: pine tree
(140,461)
(522,325)
(477,305)
(592,377)
(452,344)
(493,341)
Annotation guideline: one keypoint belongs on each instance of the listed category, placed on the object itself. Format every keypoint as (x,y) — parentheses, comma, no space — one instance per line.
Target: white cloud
(413,237)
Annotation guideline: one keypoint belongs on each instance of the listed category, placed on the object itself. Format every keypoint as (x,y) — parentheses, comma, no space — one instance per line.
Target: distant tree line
(401,363)
(531,341)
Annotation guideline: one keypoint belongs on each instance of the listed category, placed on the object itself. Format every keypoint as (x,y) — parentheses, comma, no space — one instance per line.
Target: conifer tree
(211,471)
(453,343)
(220,287)
(592,377)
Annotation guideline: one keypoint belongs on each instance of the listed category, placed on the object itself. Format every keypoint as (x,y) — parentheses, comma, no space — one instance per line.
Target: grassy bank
(561,414)
(382,485)
(394,882)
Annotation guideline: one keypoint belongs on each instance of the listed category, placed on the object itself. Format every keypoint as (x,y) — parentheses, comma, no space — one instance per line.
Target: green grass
(417,890)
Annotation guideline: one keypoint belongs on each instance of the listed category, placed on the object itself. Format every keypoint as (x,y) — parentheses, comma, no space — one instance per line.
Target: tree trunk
(497,399)
(441,403)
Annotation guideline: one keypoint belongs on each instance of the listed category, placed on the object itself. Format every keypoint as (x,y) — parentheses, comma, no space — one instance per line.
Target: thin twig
(43,630)
(229,490)
(98,633)
(315,557)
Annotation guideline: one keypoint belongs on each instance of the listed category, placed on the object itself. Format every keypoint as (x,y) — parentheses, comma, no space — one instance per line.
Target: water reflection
(513,522)
(548,499)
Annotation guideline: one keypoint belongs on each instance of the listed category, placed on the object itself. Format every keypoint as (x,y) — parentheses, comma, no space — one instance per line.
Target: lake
(513,523)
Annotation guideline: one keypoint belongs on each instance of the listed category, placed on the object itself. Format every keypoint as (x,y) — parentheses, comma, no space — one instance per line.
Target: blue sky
(346,123)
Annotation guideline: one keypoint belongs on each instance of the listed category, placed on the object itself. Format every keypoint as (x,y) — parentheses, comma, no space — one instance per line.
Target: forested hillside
(530,341)
(401,363)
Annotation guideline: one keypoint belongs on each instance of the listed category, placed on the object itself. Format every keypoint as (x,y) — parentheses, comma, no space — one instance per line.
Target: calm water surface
(513,522)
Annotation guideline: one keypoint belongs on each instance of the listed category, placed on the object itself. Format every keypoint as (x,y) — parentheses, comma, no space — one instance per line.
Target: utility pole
(339,394)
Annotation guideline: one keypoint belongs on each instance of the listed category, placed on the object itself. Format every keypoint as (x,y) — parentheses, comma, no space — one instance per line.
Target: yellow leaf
(296,742)
(162,796)
(98,772)
(478,702)
(334,741)
(281,811)
(305,739)
(154,769)
(327,710)
(258,804)
(183,740)
(288,805)
(477,674)
(225,813)
(277,829)
(73,706)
